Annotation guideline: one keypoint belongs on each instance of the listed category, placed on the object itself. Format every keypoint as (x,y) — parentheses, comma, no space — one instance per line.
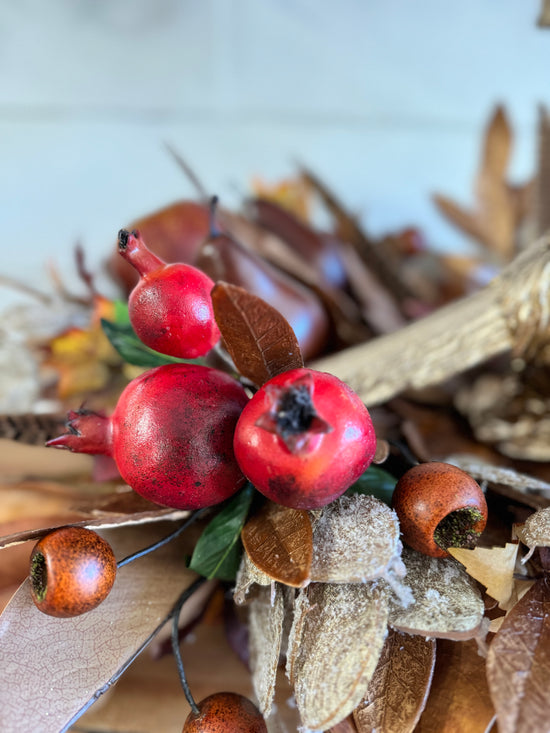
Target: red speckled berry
(225,712)
(72,570)
(439,506)
(304,438)
(170,308)
(171,435)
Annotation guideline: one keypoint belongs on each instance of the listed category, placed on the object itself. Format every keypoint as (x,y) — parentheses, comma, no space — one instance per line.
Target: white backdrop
(385,100)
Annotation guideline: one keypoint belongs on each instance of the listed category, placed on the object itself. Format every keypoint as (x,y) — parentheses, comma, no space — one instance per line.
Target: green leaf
(125,340)
(217,553)
(121,312)
(375,482)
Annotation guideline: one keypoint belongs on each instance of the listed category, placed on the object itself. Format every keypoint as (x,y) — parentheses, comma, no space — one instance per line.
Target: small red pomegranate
(170,308)
(171,435)
(225,712)
(304,438)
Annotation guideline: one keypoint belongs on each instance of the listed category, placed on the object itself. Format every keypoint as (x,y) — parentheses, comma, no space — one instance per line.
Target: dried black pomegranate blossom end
(293,416)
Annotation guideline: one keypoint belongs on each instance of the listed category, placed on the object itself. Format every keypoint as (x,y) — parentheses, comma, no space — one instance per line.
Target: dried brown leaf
(542,185)
(459,700)
(279,542)
(259,339)
(398,690)
(265,627)
(518,664)
(447,603)
(469,222)
(345,726)
(355,538)
(52,669)
(497,145)
(335,642)
(492,567)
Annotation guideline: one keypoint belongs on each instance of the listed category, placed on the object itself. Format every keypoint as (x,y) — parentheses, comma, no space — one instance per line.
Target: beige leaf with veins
(492,567)
(335,642)
(355,538)
(265,627)
(447,603)
(535,532)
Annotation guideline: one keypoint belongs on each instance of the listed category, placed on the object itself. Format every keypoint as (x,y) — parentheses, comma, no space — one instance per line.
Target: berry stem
(187,593)
(134,250)
(164,541)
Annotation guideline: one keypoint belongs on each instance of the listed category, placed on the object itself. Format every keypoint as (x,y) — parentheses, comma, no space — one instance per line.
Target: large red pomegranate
(171,435)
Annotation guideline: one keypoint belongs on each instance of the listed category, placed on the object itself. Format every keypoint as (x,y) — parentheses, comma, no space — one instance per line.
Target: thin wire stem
(161,542)
(176,643)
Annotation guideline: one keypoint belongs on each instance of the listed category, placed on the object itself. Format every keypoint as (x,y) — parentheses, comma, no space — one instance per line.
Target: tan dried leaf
(492,474)
(459,700)
(265,627)
(535,532)
(279,542)
(492,567)
(518,664)
(51,669)
(248,575)
(398,690)
(355,538)
(335,642)
(447,603)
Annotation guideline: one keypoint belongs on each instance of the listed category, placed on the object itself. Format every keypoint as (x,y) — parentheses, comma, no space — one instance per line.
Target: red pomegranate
(171,435)
(170,308)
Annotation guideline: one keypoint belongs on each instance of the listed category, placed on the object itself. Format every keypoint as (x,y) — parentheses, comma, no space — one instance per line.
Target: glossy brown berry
(72,570)
(439,506)
(225,712)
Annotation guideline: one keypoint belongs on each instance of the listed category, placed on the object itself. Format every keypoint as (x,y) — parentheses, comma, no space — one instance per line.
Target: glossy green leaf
(121,314)
(375,482)
(125,340)
(217,553)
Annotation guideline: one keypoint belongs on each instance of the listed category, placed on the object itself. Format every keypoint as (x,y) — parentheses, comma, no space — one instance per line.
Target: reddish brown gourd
(171,435)
(439,506)
(225,712)
(72,571)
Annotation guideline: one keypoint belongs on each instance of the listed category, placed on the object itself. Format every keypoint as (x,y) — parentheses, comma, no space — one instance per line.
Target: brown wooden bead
(425,497)
(225,712)
(72,570)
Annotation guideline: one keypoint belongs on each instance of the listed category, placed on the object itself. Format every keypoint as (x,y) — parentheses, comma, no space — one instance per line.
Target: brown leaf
(447,603)
(279,542)
(398,690)
(497,145)
(459,700)
(469,222)
(335,642)
(260,341)
(518,664)
(51,669)
(265,627)
(355,538)
(542,184)
(345,726)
